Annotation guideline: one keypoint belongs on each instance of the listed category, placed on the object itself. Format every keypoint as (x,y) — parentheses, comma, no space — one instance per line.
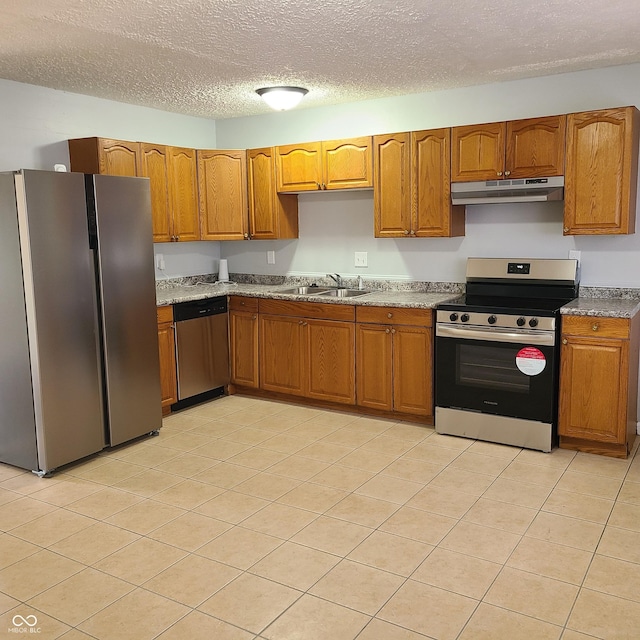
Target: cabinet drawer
(165,314)
(317,310)
(595,327)
(242,303)
(394,315)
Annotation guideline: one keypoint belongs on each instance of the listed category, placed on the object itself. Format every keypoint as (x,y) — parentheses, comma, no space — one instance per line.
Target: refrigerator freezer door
(128,299)
(59,286)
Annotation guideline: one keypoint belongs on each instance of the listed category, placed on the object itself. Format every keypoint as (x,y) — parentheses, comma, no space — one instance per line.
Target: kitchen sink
(304,291)
(343,293)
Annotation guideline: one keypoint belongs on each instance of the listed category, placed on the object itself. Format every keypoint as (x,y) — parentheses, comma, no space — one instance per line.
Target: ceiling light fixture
(282,98)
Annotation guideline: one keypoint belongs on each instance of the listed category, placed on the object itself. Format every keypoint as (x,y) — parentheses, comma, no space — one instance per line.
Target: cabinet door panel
(183,193)
(412,365)
(592,394)
(330,361)
(299,167)
(432,212)
(392,185)
(535,147)
(347,164)
(374,379)
(154,166)
(601,174)
(119,158)
(281,353)
(222,180)
(168,384)
(243,335)
(477,152)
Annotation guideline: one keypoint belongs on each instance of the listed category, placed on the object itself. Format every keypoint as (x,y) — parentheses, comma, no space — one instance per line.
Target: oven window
(490,368)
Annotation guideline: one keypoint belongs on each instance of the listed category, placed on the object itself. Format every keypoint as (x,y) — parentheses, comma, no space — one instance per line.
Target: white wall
(335,225)
(35,124)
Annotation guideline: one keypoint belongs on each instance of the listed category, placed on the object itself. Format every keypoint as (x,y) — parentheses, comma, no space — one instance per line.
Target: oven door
(506,372)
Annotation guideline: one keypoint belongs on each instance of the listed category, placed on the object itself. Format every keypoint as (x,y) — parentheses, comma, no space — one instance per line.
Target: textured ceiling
(207,57)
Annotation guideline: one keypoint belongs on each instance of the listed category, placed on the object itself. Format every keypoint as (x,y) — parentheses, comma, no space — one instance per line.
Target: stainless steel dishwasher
(202,349)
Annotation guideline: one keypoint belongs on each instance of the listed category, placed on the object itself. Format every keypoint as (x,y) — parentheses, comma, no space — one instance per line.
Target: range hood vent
(508,191)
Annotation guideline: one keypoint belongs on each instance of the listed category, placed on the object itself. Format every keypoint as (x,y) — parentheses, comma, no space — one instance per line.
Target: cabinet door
(183,193)
(330,361)
(168,384)
(593,388)
(154,166)
(222,181)
(433,215)
(347,164)
(477,152)
(299,167)
(118,158)
(243,334)
(281,354)
(374,381)
(271,216)
(392,185)
(535,147)
(601,173)
(412,370)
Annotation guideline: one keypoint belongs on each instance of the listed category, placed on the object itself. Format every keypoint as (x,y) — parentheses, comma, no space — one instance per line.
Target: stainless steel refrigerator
(79,364)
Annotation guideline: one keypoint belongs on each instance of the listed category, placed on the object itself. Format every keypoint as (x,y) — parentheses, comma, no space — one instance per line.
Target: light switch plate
(271,257)
(360,259)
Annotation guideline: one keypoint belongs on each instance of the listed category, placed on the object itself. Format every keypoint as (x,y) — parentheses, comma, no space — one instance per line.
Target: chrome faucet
(337,278)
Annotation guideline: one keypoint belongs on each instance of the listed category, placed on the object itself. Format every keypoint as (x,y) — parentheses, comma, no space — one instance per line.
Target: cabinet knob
(389,315)
(300,322)
(177,238)
(499,173)
(564,341)
(255,316)
(304,324)
(565,229)
(387,330)
(324,186)
(412,233)
(246,236)
(507,173)
(595,326)
(318,185)
(406,232)
(393,330)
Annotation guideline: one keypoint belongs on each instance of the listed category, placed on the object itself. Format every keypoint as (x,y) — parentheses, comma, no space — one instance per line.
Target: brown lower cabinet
(308,349)
(394,359)
(599,384)
(166,344)
(243,338)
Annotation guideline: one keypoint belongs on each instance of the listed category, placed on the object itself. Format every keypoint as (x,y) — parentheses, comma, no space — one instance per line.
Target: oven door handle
(525,337)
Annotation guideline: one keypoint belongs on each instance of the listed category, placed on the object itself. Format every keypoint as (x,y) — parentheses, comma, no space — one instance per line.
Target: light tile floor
(253,519)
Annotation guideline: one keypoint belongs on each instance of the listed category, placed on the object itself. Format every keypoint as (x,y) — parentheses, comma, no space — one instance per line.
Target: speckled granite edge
(609,292)
(186,281)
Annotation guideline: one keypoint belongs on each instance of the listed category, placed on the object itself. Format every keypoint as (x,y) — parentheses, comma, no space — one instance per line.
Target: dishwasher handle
(199,308)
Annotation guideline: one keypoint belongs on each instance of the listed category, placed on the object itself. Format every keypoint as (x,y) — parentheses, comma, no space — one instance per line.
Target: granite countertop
(411,299)
(602,307)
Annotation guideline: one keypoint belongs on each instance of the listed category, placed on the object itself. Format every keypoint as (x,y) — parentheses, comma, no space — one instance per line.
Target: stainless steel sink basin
(343,293)
(305,291)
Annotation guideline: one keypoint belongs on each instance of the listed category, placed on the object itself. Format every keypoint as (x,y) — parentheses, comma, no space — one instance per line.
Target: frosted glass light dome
(282,98)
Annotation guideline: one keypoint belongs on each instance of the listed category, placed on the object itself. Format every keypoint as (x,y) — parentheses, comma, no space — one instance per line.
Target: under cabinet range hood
(508,191)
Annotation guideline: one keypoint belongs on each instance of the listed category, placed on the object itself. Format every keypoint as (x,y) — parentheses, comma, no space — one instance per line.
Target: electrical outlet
(271,257)
(159,261)
(360,259)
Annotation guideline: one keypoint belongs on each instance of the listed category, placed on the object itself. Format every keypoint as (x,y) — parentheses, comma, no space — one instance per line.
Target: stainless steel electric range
(497,351)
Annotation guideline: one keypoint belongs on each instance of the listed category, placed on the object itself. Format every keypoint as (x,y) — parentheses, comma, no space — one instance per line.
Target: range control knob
(453,317)
(492,319)
(520,321)
(533,322)
(464,317)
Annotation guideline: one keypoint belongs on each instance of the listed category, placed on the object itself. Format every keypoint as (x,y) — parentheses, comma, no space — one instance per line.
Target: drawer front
(594,327)
(317,310)
(242,303)
(394,315)
(165,314)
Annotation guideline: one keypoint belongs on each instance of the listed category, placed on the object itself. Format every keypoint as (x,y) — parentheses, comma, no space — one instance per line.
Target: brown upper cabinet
(183,193)
(602,171)
(154,166)
(105,156)
(271,216)
(330,164)
(222,180)
(411,195)
(516,149)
